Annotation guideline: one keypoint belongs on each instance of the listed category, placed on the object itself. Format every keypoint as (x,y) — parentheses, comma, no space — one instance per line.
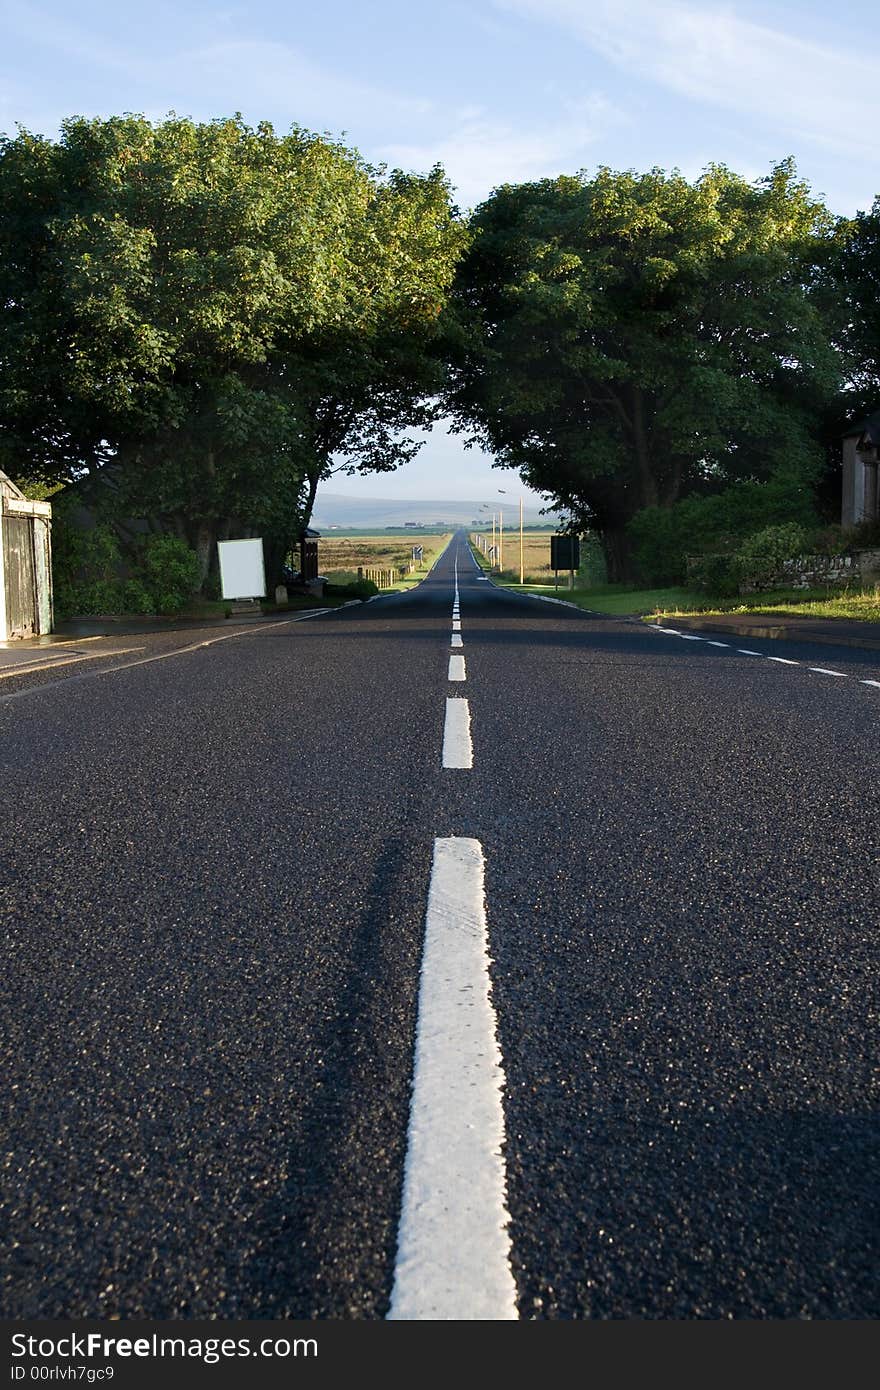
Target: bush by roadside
(88,573)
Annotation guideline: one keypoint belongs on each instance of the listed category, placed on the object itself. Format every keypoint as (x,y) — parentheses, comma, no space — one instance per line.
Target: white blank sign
(242,572)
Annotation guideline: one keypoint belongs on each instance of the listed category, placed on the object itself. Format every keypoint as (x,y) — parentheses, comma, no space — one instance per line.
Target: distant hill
(335,509)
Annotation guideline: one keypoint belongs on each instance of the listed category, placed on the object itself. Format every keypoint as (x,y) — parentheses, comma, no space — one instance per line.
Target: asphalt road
(215,870)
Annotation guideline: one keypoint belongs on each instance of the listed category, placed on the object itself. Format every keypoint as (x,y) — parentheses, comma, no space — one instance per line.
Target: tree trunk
(314,477)
(201,535)
(617,549)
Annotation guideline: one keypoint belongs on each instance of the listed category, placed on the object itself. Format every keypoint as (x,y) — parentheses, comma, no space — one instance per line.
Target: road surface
(641,903)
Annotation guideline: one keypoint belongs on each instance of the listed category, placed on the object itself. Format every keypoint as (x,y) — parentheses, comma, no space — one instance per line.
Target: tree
(628,340)
(205,313)
(855,271)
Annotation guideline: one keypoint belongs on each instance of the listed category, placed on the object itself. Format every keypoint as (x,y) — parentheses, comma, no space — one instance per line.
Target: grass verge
(861,605)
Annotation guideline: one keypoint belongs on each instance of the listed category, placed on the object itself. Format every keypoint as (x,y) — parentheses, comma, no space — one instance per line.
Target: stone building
(860,498)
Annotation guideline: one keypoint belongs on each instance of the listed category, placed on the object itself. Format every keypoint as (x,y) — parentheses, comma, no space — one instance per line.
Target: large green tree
(207,314)
(627,340)
(855,270)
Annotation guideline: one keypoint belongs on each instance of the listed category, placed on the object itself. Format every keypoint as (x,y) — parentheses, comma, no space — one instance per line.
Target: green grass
(862,605)
(615,599)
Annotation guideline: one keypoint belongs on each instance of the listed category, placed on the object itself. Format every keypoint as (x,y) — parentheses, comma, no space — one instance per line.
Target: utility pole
(522,579)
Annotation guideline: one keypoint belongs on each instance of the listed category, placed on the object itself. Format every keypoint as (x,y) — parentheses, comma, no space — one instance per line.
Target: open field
(329,533)
(340,556)
(536,557)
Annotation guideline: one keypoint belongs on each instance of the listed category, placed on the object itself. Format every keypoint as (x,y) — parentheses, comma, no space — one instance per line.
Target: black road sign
(565,552)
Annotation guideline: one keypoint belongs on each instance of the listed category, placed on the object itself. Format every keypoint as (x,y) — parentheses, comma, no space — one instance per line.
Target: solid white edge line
(453,1252)
(456,668)
(165,656)
(458,749)
(54,663)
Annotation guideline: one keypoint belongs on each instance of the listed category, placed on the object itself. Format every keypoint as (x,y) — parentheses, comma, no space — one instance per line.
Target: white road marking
(457,640)
(458,751)
(745,651)
(690,637)
(51,663)
(453,1250)
(456,668)
(163,656)
(456,625)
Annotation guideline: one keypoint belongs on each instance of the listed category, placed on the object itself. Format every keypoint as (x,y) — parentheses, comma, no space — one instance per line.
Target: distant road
(635,873)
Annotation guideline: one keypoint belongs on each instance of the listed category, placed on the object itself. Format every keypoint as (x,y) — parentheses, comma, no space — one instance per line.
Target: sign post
(565,554)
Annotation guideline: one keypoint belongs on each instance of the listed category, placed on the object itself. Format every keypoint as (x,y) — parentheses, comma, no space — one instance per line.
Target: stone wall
(819,571)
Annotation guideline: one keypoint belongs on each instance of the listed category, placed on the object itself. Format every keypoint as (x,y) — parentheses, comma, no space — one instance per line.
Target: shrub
(85,568)
(136,597)
(171,572)
(718,575)
(777,543)
(358,588)
(664,536)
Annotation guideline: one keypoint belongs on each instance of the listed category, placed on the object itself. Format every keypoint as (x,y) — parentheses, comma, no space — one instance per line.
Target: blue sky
(496,90)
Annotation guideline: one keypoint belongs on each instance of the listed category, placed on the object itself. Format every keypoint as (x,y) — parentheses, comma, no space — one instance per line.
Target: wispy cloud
(181,71)
(480,152)
(711,55)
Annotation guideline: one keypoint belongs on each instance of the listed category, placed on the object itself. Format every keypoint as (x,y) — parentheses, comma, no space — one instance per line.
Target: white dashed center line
(457,640)
(456,668)
(453,1251)
(784,660)
(457,747)
(823,671)
(743,651)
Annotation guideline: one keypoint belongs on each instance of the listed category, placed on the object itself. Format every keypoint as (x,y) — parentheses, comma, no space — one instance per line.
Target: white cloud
(481,152)
(710,54)
(262,78)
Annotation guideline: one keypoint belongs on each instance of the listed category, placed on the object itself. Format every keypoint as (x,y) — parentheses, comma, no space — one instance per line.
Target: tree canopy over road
(211,317)
(213,311)
(630,339)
